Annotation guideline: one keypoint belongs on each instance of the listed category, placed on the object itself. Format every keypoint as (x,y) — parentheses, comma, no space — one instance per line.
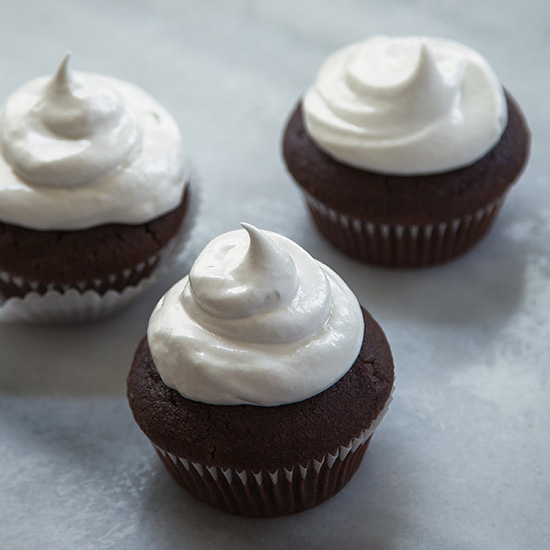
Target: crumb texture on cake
(253,437)
(71,256)
(399,199)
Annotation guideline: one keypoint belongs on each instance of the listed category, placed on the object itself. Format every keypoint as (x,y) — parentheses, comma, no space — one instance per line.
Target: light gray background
(460,461)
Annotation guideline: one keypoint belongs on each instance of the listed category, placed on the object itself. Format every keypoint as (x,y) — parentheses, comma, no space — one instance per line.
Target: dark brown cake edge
(68,257)
(252,437)
(407,200)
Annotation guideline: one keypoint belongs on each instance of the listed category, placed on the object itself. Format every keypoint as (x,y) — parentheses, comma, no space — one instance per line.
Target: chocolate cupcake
(94,192)
(405,149)
(261,379)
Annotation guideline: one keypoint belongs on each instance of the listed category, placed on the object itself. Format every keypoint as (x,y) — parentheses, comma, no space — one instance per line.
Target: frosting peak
(71,132)
(406,105)
(81,149)
(61,80)
(257,321)
(255,277)
(74,108)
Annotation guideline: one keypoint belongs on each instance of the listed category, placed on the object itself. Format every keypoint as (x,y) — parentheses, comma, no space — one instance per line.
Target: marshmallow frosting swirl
(81,149)
(405,105)
(257,321)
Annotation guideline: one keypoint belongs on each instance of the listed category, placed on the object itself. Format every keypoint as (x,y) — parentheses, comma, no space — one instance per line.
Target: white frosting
(257,321)
(407,105)
(81,149)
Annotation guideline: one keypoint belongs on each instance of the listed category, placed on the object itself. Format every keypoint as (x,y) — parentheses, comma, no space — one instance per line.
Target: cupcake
(261,379)
(94,190)
(405,149)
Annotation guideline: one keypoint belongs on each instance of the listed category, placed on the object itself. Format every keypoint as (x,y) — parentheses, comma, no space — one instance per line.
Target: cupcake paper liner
(276,491)
(402,245)
(267,493)
(88,300)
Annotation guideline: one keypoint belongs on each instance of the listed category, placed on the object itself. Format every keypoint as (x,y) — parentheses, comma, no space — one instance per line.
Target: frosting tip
(61,76)
(249,227)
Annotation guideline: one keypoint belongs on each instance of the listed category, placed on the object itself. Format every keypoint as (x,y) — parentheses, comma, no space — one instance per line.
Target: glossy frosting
(257,321)
(81,149)
(406,105)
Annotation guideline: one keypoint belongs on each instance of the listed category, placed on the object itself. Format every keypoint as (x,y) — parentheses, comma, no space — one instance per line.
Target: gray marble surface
(460,461)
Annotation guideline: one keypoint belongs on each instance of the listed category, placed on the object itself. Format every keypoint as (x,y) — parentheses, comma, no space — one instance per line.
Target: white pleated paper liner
(272,492)
(402,245)
(74,305)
